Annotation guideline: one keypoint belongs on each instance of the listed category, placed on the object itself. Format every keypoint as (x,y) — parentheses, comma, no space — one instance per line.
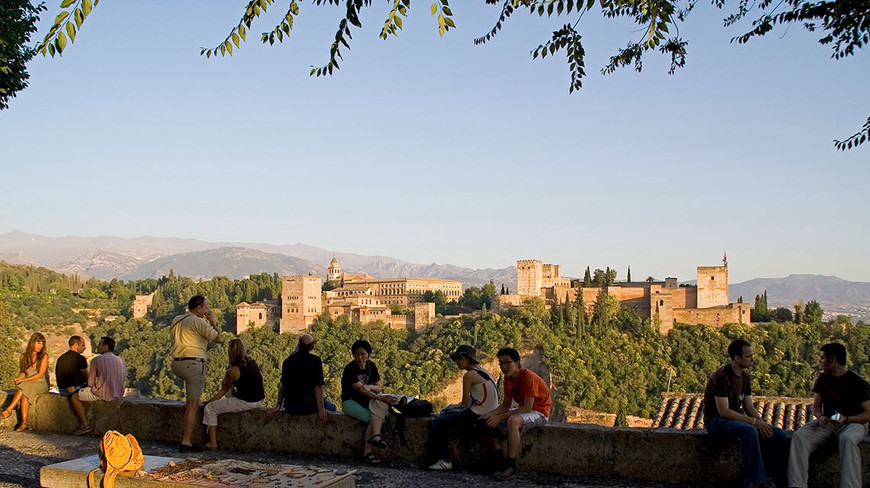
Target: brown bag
(119,455)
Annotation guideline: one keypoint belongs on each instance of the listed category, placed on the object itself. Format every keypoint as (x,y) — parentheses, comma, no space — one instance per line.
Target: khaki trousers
(811,436)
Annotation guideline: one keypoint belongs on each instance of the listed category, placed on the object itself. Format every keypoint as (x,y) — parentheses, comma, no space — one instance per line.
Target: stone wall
(570,449)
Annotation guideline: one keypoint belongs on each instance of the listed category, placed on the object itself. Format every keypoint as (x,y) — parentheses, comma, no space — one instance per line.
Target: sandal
(372,458)
(5,414)
(21,427)
(377,441)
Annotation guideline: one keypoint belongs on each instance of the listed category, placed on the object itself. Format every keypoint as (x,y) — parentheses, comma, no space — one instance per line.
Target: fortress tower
(530,277)
(300,302)
(334,270)
(713,285)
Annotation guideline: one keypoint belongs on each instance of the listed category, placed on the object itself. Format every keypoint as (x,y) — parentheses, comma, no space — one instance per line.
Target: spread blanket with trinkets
(230,472)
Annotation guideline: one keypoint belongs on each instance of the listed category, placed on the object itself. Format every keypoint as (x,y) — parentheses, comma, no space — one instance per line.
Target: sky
(434,150)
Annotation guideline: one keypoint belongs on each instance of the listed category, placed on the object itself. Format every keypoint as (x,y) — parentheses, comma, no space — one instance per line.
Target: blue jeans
(463,421)
(308,407)
(756,452)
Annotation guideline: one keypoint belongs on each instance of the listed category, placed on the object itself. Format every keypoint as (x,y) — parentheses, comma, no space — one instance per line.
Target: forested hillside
(608,360)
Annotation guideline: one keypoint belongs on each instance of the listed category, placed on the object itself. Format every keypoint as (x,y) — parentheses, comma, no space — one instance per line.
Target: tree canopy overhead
(842,24)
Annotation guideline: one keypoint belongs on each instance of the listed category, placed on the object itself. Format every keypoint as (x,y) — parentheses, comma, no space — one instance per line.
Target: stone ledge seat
(665,455)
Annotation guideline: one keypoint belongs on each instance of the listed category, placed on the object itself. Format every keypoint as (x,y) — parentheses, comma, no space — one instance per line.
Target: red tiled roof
(684,411)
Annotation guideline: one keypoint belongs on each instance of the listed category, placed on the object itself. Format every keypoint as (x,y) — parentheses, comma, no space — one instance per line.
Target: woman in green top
(31,381)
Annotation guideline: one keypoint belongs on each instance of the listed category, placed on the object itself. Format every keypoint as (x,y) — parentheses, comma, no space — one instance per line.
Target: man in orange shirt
(532,397)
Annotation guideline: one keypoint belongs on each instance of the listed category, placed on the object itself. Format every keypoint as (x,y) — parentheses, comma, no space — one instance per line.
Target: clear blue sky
(432,149)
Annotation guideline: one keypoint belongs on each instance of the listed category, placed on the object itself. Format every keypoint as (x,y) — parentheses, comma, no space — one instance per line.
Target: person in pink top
(107,376)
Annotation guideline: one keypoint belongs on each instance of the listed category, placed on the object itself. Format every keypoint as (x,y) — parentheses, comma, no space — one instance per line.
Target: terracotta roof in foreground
(684,411)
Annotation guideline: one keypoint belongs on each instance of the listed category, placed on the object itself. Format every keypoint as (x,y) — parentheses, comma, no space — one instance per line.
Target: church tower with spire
(334,270)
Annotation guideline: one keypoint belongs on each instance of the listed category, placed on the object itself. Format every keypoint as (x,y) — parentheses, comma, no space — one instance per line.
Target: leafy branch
(566,38)
(855,140)
(394,19)
(445,18)
(342,35)
(68,21)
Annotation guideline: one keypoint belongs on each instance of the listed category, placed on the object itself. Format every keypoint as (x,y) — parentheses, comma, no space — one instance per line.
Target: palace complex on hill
(366,299)
(704,303)
(361,297)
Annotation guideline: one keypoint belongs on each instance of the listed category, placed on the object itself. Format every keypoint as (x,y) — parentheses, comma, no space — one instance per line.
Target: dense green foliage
(607,360)
(18,20)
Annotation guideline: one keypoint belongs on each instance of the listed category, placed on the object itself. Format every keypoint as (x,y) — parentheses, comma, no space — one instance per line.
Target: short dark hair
(109,342)
(361,344)
(76,340)
(508,351)
(195,301)
(736,348)
(836,351)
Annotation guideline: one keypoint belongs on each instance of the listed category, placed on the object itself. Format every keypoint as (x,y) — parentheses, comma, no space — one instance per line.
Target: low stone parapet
(571,449)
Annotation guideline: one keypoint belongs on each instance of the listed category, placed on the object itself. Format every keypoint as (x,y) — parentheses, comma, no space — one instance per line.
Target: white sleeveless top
(484,396)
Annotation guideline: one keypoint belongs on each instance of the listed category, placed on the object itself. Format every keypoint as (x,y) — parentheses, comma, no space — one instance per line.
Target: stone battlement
(664,455)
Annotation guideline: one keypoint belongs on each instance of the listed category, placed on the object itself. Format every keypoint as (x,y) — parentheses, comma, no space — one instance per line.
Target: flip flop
(377,441)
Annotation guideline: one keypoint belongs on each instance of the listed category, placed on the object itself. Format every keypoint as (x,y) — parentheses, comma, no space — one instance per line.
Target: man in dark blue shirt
(300,391)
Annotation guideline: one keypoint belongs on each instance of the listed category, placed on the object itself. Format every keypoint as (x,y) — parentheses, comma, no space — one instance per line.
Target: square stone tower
(712,286)
(530,277)
(300,302)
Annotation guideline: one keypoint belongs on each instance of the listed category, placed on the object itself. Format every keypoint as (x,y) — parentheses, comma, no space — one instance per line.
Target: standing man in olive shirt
(841,404)
(730,414)
(191,333)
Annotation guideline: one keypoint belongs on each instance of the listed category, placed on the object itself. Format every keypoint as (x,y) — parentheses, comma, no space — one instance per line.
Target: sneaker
(507,473)
(82,430)
(442,465)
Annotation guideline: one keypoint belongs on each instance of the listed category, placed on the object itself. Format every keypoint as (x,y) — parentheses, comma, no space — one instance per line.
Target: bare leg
(368,447)
(190,409)
(515,423)
(492,442)
(79,409)
(212,437)
(25,409)
(14,403)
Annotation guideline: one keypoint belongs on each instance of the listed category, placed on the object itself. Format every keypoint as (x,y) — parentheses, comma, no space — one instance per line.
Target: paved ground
(23,453)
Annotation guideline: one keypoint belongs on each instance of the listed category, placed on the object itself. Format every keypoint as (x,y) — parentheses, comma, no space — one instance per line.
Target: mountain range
(108,257)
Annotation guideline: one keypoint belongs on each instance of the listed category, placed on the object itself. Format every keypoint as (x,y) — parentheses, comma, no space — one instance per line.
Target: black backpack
(414,408)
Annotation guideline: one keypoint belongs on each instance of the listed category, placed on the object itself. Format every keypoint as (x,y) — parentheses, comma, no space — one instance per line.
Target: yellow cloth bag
(119,455)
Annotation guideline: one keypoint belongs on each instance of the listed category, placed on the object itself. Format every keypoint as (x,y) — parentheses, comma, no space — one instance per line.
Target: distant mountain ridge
(108,257)
(785,292)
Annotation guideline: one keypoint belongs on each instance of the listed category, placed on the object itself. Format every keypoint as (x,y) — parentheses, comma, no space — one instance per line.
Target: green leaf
(71,30)
(60,18)
(434,8)
(67,3)
(242,32)
(79,17)
(61,42)
(86,7)
(235,39)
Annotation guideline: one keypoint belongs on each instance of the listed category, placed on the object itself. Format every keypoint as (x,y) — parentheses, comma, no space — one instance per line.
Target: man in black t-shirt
(730,414)
(300,391)
(841,404)
(71,372)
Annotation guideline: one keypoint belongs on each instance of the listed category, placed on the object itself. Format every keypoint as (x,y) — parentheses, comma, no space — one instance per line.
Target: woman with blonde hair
(31,381)
(241,390)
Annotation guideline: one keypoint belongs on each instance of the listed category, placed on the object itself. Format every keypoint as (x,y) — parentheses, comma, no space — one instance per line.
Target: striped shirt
(107,376)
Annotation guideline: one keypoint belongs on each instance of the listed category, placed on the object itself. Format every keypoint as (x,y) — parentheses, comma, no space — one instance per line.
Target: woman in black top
(362,397)
(243,385)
